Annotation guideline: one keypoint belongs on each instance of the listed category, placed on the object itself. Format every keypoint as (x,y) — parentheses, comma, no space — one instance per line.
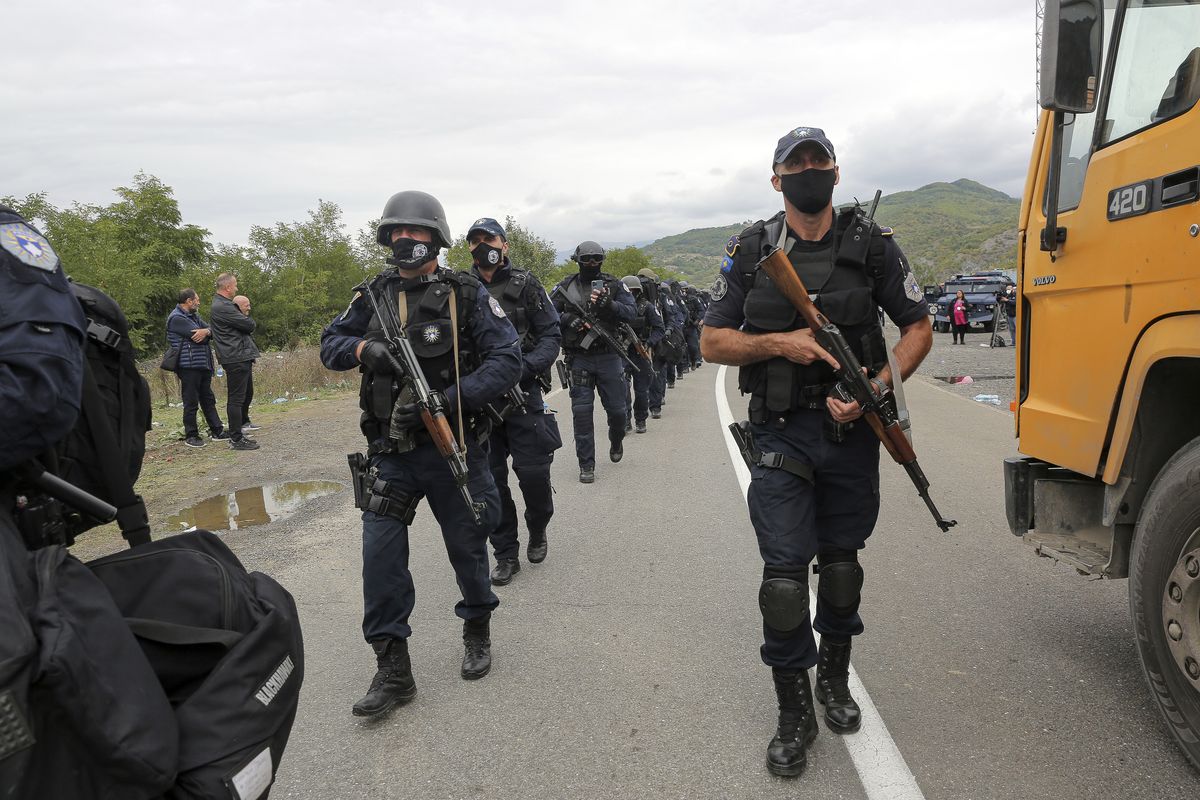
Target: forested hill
(944,228)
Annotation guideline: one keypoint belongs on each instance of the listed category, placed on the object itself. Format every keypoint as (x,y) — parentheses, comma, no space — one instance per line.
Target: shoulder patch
(727,263)
(732,247)
(720,287)
(885,231)
(496,309)
(28,246)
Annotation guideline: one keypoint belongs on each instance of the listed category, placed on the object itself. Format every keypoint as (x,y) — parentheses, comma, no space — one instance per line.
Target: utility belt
(808,397)
(744,437)
(477,427)
(372,493)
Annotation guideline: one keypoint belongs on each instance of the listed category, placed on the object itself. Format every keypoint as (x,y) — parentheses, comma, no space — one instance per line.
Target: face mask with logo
(487,257)
(411,253)
(809,191)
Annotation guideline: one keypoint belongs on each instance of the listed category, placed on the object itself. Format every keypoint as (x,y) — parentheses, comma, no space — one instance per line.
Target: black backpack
(103,453)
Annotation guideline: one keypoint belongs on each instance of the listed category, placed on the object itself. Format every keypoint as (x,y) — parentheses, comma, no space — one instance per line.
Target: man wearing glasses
(593,363)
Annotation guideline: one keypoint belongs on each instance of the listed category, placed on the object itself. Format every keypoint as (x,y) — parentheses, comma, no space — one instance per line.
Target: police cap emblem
(28,246)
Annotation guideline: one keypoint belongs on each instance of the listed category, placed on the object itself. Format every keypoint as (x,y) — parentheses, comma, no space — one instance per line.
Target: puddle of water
(247,507)
(976,378)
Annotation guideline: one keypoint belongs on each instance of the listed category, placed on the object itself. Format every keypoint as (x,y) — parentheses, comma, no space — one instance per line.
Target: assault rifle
(853,384)
(592,324)
(431,405)
(639,347)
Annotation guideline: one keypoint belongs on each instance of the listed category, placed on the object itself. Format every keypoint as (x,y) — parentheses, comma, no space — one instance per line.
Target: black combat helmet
(588,248)
(632,283)
(414,208)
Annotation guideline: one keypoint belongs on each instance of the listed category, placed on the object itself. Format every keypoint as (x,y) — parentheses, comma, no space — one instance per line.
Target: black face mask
(411,254)
(809,191)
(487,257)
(589,272)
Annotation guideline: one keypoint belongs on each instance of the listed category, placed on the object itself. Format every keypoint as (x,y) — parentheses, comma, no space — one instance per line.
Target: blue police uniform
(664,362)
(412,469)
(42,330)
(530,436)
(830,515)
(593,365)
(648,325)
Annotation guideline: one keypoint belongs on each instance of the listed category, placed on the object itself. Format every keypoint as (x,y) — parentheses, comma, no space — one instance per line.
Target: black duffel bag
(226,647)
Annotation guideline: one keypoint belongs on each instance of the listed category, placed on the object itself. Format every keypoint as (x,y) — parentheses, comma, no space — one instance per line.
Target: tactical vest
(426,303)
(641,322)
(841,277)
(511,295)
(580,292)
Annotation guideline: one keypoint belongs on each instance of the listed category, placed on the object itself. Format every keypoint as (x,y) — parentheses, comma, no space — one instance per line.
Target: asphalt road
(626,665)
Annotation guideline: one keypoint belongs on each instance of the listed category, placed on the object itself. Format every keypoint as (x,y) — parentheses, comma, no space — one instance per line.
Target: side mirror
(1072,42)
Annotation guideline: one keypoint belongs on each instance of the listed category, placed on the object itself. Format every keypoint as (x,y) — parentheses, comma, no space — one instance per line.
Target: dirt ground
(301,441)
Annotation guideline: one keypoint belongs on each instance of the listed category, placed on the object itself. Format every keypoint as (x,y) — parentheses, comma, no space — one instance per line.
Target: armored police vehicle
(980,293)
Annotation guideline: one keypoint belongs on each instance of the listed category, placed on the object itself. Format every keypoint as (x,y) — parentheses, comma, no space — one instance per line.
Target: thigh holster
(783,598)
(372,493)
(582,378)
(743,437)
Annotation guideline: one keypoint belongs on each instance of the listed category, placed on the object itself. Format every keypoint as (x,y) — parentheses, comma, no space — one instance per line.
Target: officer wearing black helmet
(593,364)
(530,434)
(821,499)
(468,350)
(647,326)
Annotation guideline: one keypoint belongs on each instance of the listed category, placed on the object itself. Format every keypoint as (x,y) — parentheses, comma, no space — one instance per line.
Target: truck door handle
(1181,187)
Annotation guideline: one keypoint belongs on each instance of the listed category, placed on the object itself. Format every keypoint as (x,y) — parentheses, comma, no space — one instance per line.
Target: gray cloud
(622,121)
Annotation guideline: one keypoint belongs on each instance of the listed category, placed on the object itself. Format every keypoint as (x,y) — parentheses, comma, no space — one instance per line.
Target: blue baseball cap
(488,226)
(794,138)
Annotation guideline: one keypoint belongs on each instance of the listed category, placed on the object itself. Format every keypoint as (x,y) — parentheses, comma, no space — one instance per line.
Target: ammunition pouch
(43,521)
(744,437)
(372,493)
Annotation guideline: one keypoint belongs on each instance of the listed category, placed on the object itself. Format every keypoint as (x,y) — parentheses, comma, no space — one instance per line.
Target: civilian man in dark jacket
(231,329)
(190,334)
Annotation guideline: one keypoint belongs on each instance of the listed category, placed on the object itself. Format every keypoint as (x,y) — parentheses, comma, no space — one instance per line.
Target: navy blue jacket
(192,355)
(42,330)
(494,338)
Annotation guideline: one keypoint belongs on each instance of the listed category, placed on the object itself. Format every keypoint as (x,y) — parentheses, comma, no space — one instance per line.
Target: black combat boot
(537,547)
(477,644)
(587,474)
(787,754)
(842,714)
(393,682)
(615,449)
(505,569)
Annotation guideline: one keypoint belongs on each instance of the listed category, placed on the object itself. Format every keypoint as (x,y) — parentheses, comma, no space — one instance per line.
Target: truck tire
(1164,595)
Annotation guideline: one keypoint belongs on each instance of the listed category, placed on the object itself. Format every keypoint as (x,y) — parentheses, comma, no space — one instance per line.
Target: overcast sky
(617,121)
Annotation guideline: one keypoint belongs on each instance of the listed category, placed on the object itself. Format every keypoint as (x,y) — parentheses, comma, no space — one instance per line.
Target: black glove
(406,416)
(604,300)
(376,357)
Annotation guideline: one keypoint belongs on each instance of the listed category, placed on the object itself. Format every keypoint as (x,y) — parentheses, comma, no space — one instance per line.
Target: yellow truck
(1108,359)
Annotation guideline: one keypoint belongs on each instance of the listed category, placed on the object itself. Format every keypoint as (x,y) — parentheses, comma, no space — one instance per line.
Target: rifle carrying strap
(462,440)
(898,392)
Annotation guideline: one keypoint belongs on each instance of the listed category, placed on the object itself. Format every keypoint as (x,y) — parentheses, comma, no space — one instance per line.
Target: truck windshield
(1156,74)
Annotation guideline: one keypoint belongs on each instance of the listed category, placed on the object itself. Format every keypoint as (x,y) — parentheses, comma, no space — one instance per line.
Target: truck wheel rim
(1181,610)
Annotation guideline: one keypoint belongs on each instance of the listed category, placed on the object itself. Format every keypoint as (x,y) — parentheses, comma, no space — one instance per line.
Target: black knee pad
(840,581)
(783,598)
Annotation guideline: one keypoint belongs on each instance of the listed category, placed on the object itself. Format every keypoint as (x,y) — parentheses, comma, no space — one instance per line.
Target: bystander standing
(190,334)
(232,327)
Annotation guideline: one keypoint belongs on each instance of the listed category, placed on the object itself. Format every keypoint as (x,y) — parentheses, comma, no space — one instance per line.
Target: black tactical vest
(841,277)
(511,295)
(429,330)
(580,291)
(641,322)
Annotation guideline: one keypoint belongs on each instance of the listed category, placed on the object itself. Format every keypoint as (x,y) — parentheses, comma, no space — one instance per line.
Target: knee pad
(783,598)
(840,581)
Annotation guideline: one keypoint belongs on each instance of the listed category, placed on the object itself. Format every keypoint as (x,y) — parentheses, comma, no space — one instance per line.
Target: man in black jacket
(231,329)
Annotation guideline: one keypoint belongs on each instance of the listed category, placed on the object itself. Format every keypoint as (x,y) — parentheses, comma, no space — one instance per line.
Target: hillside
(944,228)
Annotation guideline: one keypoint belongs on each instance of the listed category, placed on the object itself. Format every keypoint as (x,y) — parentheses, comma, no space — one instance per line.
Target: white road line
(883,772)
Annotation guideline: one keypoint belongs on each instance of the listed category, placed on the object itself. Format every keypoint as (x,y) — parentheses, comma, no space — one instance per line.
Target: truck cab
(1108,325)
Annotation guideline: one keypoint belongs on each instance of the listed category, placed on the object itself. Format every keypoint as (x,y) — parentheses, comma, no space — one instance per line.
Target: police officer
(814,487)
(691,329)
(468,351)
(41,338)
(647,326)
(593,364)
(529,434)
(682,363)
(42,331)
